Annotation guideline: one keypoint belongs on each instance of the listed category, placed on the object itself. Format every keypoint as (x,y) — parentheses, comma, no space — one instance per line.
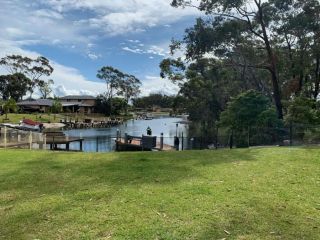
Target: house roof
(49,103)
(79,104)
(38,102)
(78,97)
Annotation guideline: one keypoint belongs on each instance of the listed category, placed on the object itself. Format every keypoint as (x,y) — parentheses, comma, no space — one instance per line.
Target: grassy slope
(270,193)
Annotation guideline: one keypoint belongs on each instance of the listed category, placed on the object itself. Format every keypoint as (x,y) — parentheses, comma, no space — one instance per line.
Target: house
(74,103)
(39,105)
(78,103)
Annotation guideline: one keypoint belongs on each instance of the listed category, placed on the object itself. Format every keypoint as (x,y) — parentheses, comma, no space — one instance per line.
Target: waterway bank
(103,139)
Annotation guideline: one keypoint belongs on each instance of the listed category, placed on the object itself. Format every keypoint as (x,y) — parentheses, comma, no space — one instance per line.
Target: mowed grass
(266,193)
(39,117)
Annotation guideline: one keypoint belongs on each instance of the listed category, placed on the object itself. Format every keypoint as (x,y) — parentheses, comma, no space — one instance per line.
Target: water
(103,139)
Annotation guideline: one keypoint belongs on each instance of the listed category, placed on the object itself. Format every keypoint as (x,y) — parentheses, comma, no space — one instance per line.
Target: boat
(148,116)
(28,124)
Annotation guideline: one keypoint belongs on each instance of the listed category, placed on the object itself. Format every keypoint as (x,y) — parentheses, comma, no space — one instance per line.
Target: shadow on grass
(57,171)
(57,182)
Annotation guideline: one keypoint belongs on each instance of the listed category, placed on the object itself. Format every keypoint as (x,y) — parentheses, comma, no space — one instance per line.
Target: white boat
(149,116)
(28,124)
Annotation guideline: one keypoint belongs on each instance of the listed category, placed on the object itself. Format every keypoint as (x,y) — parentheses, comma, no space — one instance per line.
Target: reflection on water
(103,139)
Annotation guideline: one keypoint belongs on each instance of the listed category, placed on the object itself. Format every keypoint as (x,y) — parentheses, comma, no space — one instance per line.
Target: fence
(292,135)
(15,138)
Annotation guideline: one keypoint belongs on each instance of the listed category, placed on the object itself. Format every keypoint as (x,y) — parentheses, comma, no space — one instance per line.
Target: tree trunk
(273,66)
(317,78)
(291,57)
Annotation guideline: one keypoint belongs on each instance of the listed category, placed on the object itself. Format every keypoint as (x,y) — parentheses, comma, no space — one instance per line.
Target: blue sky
(81,36)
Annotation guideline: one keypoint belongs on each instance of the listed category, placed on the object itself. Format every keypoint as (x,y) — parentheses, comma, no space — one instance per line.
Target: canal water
(103,139)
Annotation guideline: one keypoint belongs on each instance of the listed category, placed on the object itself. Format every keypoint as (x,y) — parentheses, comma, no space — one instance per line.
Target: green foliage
(9,106)
(45,88)
(33,69)
(252,120)
(243,110)
(118,83)
(304,111)
(154,99)
(56,106)
(269,119)
(172,69)
(14,86)
(112,78)
(206,88)
(240,37)
(119,105)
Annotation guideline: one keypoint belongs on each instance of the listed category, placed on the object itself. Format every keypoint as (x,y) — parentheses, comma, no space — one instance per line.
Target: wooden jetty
(89,123)
(59,138)
(144,143)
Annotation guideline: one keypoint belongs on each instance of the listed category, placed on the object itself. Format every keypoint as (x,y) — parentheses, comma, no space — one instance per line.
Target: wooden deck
(59,138)
(55,141)
(135,145)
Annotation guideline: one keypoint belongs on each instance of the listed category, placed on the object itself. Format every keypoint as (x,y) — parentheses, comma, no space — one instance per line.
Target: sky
(81,36)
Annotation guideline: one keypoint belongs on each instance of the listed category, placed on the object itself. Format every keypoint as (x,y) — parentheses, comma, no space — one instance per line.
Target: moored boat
(28,124)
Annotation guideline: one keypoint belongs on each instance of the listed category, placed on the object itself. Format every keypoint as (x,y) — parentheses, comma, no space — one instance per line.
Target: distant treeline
(155,99)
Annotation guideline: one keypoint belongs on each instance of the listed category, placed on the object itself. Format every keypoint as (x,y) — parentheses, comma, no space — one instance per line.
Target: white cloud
(48,14)
(116,17)
(72,82)
(67,80)
(24,22)
(154,84)
(155,50)
(161,50)
(134,41)
(54,22)
(133,50)
(16,32)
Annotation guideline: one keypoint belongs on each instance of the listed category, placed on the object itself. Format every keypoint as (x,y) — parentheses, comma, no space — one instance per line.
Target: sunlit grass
(269,193)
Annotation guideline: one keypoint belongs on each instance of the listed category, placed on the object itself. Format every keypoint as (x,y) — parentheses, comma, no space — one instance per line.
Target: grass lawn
(40,117)
(53,118)
(267,193)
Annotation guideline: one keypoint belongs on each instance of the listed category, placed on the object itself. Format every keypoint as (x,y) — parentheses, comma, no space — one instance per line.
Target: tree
(103,105)
(34,69)
(119,105)
(242,111)
(56,106)
(205,86)
(45,88)
(251,119)
(129,87)
(154,99)
(119,83)
(235,26)
(14,86)
(299,37)
(10,106)
(303,110)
